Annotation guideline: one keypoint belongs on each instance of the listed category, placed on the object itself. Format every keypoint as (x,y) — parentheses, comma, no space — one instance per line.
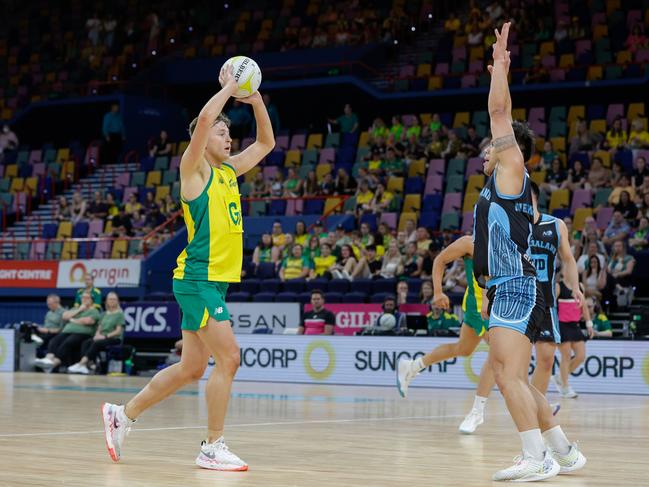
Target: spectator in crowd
(618,229)
(318,321)
(260,187)
(138,223)
(94,26)
(90,288)
(265,251)
(53,322)
(112,209)
(455,277)
(108,25)
(426,292)
(277,185)
(169,207)
(598,175)
(341,238)
(453,146)
(576,31)
(110,331)
(616,136)
(390,322)
(554,177)
(384,236)
(452,23)
(295,266)
(63,211)
(154,219)
(537,73)
(80,324)
(621,264)
(584,140)
(114,133)
(429,258)
(324,263)
(472,141)
(627,207)
(412,261)
(441,322)
(348,122)
(411,231)
(475,36)
(8,139)
(311,186)
(591,250)
(423,239)
(577,177)
(150,203)
(402,292)
(97,207)
(161,146)
(561,32)
(594,277)
(273,113)
(638,137)
(623,184)
(392,262)
(636,39)
(327,185)
(640,239)
(368,266)
(644,205)
(122,224)
(278,236)
(344,183)
(366,236)
(616,173)
(77,208)
(132,204)
(382,199)
(364,197)
(292,184)
(601,324)
(640,171)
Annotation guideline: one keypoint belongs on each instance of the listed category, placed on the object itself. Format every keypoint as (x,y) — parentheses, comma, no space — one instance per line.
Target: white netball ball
(246,73)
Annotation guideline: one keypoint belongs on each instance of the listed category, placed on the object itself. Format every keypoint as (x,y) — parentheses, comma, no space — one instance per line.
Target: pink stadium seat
(614,110)
(452,203)
(246,142)
(557,74)
(35,156)
(467,222)
(633,17)
(123,179)
(441,69)
(390,219)
(581,198)
(459,54)
(409,120)
(436,166)
(298,141)
(549,61)
(270,172)
(473,166)
(468,81)
(598,18)
(407,71)
(582,46)
(20,201)
(281,142)
(95,228)
(539,128)
(536,114)
(434,184)
(603,218)
(174,163)
(128,192)
(102,249)
(327,155)
(39,169)
(642,56)
(294,207)
(37,252)
(476,67)
(2,171)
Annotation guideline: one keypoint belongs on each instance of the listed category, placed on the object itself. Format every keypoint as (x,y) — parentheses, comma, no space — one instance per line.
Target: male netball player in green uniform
(212,259)
(473,329)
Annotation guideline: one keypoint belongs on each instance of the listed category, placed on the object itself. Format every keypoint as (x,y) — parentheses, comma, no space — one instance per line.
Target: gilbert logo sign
(106,272)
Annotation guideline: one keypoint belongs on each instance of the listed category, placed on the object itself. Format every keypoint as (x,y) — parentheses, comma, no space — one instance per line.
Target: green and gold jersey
(214,250)
(472,301)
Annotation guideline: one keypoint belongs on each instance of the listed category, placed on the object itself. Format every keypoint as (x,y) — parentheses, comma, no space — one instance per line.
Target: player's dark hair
(317,291)
(524,137)
(535,189)
(221,118)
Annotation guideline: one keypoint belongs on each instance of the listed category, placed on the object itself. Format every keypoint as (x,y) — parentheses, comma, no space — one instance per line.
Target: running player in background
(502,229)
(212,259)
(473,330)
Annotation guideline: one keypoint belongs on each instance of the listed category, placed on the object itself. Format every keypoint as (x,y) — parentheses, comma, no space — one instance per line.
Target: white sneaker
(74,369)
(526,469)
(45,364)
(558,383)
(568,392)
(571,461)
(217,456)
(36,339)
(116,427)
(474,419)
(82,369)
(555,406)
(405,373)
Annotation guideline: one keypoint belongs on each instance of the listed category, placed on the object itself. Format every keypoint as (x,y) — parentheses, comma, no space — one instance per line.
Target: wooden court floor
(297,435)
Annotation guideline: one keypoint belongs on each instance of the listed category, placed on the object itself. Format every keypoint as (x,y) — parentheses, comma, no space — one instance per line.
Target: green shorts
(474,321)
(199,300)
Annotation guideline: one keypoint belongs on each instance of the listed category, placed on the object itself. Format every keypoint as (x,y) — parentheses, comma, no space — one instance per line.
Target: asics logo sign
(148,319)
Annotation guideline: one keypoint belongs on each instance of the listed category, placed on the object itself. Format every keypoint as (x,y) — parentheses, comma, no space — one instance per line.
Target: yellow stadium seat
(612,6)
(417,168)
(559,144)
(623,57)
(404,217)
(69,250)
(250,175)
(17,184)
(65,230)
(546,49)
(109,227)
(154,178)
(395,184)
(599,32)
(423,70)
(461,119)
(470,199)
(475,183)
(322,169)
(594,73)
(539,143)
(434,83)
(412,203)
(519,114)
(182,146)
(459,40)
(364,140)
(559,199)
(293,158)
(161,192)
(567,61)
(68,169)
(31,184)
(636,110)
(120,249)
(11,171)
(63,155)
(217,50)
(425,118)
(575,112)
(580,218)
(476,54)
(538,177)
(605,156)
(332,204)
(598,125)
(314,141)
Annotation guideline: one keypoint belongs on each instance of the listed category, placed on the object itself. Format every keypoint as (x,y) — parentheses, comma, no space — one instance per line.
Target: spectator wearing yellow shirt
(423,240)
(452,24)
(132,205)
(295,266)
(278,235)
(364,197)
(616,135)
(638,137)
(623,184)
(301,236)
(382,199)
(324,263)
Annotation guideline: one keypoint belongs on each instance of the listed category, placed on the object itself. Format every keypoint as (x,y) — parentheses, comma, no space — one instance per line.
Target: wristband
(589,324)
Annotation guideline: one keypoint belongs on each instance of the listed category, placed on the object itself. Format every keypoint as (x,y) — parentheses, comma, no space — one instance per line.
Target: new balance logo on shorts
(218,311)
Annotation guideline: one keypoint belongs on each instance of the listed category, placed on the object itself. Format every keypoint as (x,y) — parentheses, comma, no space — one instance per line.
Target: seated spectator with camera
(110,330)
(318,321)
(390,322)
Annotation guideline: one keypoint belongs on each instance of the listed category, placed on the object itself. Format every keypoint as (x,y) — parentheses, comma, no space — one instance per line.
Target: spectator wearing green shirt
(64,348)
(438,320)
(347,122)
(601,323)
(90,287)
(110,331)
(53,321)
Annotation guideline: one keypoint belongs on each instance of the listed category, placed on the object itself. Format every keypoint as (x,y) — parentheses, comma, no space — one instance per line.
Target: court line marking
(282,423)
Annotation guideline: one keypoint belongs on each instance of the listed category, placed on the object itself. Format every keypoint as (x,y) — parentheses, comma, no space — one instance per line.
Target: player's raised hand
(441,301)
(500,46)
(226,78)
(252,99)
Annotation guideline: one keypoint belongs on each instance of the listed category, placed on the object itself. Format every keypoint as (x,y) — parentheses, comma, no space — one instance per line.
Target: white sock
(418,364)
(479,403)
(533,444)
(122,415)
(557,440)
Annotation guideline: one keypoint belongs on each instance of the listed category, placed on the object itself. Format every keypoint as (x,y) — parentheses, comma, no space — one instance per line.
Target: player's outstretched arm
(195,153)
(458,249)
(265,142)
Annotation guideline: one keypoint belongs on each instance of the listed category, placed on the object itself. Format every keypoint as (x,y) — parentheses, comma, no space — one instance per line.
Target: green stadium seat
(450,221)
(455,183)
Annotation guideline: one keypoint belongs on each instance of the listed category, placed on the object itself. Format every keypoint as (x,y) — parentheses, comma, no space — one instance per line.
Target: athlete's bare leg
(486,381)
(544,362)
(462,348)
(564,366)
(191,367)
(219,339)
(545,417)
(579,350)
